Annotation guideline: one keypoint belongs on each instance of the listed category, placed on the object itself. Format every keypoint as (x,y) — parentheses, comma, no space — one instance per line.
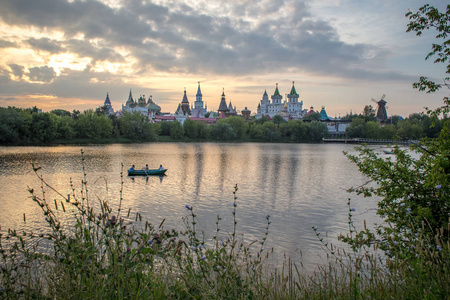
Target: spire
(199,92)
(130,99)
(277,93)
(185,99)
(223,105)
(265,93)
(293,91)
(107,101)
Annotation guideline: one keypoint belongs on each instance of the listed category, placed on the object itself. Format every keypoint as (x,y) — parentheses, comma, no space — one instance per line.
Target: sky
(340,54)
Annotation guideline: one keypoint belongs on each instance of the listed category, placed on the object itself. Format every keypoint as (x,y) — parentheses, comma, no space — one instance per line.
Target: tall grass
(100,254)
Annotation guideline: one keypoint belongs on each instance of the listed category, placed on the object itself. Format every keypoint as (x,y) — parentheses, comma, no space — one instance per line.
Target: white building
(199,110)
(290,106)
(146,108)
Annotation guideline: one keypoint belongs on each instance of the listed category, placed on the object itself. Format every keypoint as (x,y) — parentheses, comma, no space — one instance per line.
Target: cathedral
(291,108)
(145,107)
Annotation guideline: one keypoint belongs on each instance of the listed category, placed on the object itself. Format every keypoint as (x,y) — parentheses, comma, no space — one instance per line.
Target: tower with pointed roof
(198,111)
(185,104)
(108,105)
(293,105)
(223,108)
(145,107)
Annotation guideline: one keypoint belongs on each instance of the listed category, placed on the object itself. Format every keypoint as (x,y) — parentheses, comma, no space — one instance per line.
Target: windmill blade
(374,100)
(382,97)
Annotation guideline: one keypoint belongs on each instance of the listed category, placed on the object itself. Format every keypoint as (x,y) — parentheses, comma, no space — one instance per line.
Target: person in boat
(161,168)
(146,167)
(132,168)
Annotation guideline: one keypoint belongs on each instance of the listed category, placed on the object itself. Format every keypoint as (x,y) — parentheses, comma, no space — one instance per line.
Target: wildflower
(352,209)
(203,257)
(438,247)
(408,209)
(251,268)
(223,243)
(388,252)
(218,267)
(200,247)
(267,217)
(192,248)
(403,204)
(150,242)
(234,204)
(412,246)
(438,187)
(188,207)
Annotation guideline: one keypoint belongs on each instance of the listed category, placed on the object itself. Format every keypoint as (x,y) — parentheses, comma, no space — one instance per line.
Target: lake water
(298,185)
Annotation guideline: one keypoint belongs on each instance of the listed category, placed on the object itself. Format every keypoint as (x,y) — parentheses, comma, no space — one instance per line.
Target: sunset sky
(340,53)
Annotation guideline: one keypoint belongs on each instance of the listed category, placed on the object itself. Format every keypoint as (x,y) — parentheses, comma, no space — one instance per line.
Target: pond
(297,185)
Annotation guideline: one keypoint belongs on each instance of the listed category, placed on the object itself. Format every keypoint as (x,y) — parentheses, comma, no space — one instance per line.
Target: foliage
(136,127)
(92,126)
(414,184)
(222,131)
(176,130)
(429,17)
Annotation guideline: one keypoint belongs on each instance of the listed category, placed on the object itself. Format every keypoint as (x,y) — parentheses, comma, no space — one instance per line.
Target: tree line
(28,126)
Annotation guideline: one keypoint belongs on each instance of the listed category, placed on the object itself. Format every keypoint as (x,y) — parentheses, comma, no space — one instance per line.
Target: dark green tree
(414,186)
(176,130)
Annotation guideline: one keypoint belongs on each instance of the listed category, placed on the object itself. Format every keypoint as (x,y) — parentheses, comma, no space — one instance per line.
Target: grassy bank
(106,253)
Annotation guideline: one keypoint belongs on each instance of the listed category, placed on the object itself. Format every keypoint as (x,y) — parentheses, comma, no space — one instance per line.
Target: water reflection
(298,185)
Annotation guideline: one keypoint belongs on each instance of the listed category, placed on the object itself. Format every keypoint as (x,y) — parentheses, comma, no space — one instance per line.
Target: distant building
(223,108)
(108,106)
(246,113)
(292,108)
(146,108)
(199,110)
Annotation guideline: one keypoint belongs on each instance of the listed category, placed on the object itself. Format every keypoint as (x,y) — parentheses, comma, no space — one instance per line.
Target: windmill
(381,109)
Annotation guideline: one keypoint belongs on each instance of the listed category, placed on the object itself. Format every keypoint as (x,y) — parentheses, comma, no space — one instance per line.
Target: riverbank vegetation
(91,248)
(29,127)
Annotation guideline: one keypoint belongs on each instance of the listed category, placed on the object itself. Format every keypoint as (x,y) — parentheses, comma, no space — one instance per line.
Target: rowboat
(146,172)
(388,152)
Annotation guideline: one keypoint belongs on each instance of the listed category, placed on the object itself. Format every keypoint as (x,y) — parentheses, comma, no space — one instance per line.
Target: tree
(237,123)
(135,126)
(222,131)
(91,126)
(278,119)
(429,17)
(43,127)
(190,129)
(312,117)
(414,186)
(369,113)
(60,112)
(176,130)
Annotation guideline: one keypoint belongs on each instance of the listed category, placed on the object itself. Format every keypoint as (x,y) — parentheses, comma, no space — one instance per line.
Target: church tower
(276,97)
(223,108)
(185,104)
(293,104)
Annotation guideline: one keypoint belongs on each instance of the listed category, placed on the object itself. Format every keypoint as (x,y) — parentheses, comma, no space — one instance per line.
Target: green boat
(146,172)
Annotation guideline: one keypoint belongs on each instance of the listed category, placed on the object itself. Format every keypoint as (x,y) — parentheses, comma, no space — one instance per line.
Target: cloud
(245,37)
(42,74)
(45,44)
(17,70)
(6,44)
